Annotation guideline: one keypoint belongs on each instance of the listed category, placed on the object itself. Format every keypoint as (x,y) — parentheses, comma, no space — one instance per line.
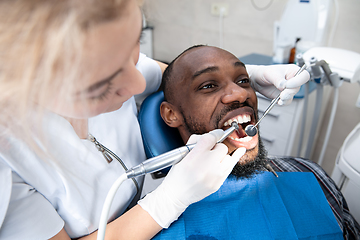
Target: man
(207,88)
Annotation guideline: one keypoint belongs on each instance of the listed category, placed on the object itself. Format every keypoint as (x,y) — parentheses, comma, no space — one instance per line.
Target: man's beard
(248,170)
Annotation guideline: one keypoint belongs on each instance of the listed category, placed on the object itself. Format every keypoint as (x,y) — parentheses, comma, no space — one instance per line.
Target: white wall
(179,24)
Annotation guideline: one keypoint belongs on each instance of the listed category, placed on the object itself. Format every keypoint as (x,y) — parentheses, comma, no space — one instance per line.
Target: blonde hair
(37,41)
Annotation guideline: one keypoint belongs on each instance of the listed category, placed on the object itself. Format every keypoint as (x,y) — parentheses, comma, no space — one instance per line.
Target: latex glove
(271,80)
(198,175)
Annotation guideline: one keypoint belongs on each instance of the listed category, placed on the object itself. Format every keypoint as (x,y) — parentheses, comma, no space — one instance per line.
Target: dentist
(68,123)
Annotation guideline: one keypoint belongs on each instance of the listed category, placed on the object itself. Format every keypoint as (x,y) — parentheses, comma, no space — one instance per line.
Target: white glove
(270,80)
(198,175)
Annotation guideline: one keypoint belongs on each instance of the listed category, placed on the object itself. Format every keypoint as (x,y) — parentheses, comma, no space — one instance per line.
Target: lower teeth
(244,139)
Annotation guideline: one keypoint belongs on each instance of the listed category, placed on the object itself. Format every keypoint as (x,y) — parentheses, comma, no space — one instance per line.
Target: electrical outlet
(217,7)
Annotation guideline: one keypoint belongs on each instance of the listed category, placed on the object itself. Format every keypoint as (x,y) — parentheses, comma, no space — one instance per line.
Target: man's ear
(170,115)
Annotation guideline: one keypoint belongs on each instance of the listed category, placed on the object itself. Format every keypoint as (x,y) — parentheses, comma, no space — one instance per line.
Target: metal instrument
(251,130)
(170,158)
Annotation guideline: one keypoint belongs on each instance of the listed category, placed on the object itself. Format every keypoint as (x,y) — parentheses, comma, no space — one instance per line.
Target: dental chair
(157,137)
(346,173)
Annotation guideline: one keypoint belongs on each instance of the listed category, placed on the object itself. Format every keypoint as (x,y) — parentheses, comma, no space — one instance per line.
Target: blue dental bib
(292,206)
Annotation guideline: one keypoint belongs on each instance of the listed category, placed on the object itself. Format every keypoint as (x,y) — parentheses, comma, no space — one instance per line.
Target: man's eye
(243,81)
(207,86)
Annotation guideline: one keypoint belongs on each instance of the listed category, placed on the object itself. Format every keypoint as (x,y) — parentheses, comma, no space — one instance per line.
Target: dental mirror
(251,130)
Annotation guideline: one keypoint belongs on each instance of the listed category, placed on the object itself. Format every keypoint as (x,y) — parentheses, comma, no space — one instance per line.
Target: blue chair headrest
(157,137)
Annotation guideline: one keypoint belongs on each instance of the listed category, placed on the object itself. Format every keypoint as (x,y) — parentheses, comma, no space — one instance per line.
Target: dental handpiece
(251,130)
(170,158)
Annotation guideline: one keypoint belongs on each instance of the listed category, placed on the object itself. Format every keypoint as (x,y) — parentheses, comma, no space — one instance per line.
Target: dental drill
(170,158)
(151,165)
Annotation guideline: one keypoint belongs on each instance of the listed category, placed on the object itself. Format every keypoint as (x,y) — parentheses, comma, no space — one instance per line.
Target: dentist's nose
(138,83)
(233,93)
(133,83)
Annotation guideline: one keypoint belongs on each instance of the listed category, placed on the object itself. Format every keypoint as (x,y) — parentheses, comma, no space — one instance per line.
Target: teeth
(239,120)
(245,139)
(228,123)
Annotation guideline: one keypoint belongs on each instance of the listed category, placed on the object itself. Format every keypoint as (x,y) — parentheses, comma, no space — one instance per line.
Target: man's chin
(249,156)
(251,163)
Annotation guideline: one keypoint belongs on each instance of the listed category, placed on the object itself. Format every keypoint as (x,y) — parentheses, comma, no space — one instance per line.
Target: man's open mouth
(242,120)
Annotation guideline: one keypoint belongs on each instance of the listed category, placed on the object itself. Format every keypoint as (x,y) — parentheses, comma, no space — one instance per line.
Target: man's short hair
(168,78)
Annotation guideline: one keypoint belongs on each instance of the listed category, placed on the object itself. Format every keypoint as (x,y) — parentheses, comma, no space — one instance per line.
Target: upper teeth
(239,120)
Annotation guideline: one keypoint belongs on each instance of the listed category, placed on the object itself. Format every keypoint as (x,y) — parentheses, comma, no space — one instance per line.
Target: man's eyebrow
(212,69)
(239,64)
(205,70)
(101,83)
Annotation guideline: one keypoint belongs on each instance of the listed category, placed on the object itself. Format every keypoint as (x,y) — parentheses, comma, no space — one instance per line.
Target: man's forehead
(203,54)
(202,57)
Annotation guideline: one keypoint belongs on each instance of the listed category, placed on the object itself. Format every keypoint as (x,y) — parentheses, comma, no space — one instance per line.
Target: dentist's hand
(271,80)
(198,175)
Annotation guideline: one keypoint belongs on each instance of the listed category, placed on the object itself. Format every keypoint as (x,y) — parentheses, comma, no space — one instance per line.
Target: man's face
(212,90)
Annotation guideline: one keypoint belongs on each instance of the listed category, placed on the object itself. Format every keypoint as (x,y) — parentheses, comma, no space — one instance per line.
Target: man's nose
(233,93)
